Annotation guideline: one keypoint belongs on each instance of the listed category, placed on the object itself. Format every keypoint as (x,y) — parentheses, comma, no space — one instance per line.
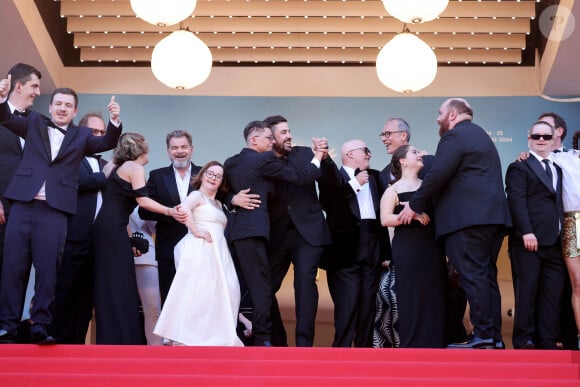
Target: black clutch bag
(140,243)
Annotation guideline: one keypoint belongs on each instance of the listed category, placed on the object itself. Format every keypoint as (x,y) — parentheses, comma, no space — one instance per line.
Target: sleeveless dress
(421,283)
(203,302)
(116,297)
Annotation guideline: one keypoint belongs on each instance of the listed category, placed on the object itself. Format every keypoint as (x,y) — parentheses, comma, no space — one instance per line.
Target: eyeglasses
(387,133)
(213,175)
(546,137)
(365,149)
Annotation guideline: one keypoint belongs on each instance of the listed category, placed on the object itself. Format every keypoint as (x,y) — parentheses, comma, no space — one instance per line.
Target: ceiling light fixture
(415,11)
(181,60)
(163,13)
(406,63)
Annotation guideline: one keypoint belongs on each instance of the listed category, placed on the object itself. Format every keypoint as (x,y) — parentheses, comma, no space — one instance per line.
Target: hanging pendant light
(181,60)
(163,13)
(406,64)
(415,11)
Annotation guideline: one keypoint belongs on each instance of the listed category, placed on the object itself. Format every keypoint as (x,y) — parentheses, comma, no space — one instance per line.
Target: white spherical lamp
(406,64)
(415,11)
(181,60)
(163,12)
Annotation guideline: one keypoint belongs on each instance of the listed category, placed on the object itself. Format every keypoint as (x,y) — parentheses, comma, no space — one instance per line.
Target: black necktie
(548,170)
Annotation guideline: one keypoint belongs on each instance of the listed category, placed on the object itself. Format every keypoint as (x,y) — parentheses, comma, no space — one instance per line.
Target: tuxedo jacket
(10,157)
(37,166)
(535,206)
(385,175)
(90,183)
(465,182)
(299,203)
(343,216)
(259,172)
(162,188)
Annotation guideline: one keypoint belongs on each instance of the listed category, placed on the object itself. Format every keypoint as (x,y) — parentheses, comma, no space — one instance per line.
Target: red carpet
(92,365)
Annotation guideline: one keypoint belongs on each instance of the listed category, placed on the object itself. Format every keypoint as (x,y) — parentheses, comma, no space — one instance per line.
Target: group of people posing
(227,233)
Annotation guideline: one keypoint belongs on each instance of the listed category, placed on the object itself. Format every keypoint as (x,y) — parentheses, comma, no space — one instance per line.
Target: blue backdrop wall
(216,123)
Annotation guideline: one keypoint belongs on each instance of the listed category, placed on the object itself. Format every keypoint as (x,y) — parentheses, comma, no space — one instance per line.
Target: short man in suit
(44,191)
(534,192)
(298,232)
(257,168)
(72,309)
(170,186)
(351,199)
(471,214)
(24,89)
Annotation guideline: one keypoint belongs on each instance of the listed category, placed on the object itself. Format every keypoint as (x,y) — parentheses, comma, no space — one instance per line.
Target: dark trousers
(6,204)
(353,289)
(72,309)
(166,272)
(35,235)
(305,258)
(473,252)
(255,267)
(538,294)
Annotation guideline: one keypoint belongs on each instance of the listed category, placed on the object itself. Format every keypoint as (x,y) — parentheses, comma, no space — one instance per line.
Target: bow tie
(95,156)
(19,113)
(51,124)
(357,171)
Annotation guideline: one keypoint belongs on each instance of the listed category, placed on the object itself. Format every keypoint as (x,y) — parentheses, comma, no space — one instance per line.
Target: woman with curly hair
(116,296)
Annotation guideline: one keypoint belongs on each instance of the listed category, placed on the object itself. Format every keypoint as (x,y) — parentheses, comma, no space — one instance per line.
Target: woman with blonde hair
(116,296)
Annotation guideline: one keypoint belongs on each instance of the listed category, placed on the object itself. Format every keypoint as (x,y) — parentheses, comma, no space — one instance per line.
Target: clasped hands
(407,215)
(320,147)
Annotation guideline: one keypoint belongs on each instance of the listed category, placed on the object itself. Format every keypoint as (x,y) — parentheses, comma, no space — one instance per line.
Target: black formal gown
(116,296)
(420,285)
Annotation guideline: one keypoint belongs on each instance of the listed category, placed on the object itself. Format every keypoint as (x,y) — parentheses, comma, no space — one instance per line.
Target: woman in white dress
(202,306)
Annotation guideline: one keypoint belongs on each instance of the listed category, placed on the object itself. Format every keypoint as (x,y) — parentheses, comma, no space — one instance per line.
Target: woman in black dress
(420,263)
(116,296)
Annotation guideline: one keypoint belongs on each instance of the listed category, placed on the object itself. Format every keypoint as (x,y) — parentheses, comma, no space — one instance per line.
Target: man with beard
(298,232)
(471,214)
(170,186)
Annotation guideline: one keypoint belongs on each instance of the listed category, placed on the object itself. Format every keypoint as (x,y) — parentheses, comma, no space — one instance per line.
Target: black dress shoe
(42,338)
(6,338)
(499,344)
(528,345)
(474,342)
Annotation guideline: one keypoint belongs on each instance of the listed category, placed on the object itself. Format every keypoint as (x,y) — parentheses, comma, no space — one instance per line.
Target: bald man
(351,199)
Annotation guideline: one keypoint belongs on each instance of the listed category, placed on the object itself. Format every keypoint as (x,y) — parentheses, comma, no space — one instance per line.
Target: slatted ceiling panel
(318,31)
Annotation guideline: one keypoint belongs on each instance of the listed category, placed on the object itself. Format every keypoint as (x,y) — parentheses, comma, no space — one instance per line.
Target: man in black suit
(471,214)
(534,192)
(44,191)
(397,132)
(298,232)
(170,186)
(24,89)
(73,304)
(257,168)
(351,199)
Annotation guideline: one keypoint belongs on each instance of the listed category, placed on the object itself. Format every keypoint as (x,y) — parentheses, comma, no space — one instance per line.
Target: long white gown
(203,302)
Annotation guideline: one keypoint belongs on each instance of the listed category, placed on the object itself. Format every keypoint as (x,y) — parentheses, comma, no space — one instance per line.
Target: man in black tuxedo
(24,89)
(351,199)
(170,186)
(534,192)
(44,191)
(471,214)
(257,168)
(73,304)
(298,232)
